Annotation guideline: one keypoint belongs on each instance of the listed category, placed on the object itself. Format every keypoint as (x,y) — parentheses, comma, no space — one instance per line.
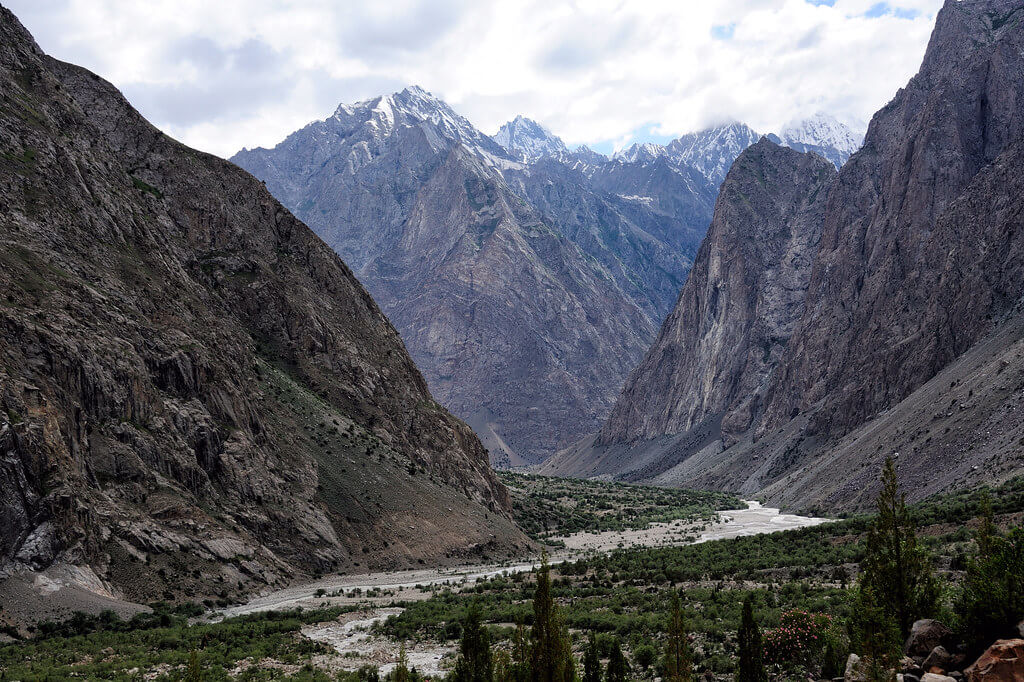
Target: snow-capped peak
(528,140)
(822,130)
(639,152)
(415,107)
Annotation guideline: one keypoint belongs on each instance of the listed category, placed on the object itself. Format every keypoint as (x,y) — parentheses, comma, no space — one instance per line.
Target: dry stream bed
(352,636)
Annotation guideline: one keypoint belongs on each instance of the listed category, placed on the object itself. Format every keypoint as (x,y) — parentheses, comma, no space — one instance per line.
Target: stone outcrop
(908,341)
(719,347)
(1001,662)
(525,292)
(197,397)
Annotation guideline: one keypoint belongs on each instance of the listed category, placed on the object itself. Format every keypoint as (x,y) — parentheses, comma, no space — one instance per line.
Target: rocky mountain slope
(523,291)
(909,337)
(719,347)
(197,397)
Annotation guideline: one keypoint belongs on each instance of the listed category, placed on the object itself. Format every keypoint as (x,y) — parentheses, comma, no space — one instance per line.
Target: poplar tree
(678,660)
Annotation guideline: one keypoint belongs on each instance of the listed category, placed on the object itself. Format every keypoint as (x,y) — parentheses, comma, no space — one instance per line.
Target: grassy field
(547,507)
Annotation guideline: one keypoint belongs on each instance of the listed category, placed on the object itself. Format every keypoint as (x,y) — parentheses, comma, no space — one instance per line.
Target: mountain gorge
(526,279)
(907,340)
(197,397)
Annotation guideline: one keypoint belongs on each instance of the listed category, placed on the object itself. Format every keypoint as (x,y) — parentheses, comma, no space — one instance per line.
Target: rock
(909,665)
(926,635)
(152,297)
(933,677)
(940,660)
(525,294)
(854,669)
(1002,662)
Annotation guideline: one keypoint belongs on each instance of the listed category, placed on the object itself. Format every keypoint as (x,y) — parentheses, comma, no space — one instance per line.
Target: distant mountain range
(525,278)
(831,320)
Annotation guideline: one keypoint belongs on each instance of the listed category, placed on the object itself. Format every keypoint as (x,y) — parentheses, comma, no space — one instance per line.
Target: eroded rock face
(525,295)
(920,266)
(920,250)
(718,349)
(196,395)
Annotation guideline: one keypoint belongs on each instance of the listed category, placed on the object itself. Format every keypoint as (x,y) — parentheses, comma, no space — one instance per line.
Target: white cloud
(232,73)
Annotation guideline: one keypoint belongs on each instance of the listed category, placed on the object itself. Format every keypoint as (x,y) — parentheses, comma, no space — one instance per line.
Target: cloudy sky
(223,74)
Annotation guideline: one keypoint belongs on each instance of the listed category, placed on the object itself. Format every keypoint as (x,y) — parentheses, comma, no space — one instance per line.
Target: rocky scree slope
(197,397)
(917,281)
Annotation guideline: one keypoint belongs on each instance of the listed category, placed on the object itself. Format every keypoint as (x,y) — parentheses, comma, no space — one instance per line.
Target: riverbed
(352,637)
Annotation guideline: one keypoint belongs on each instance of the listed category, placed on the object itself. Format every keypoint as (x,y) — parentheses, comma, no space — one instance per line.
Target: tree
(401,671)
(194,672)
(474,663)
(551,659)
(591,661)
(896,570)
(617,666)
(678,660)
(991,598)
(751,650)
(875,636)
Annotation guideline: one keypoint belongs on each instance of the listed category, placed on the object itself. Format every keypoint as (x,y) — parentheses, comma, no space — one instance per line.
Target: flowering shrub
(799,640)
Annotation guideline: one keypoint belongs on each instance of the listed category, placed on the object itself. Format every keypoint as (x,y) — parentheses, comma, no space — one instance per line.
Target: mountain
(528,141)
(197,397)
(823,135)
(639,152)
(739,305)
(909,339)
(517,327)
(711,151)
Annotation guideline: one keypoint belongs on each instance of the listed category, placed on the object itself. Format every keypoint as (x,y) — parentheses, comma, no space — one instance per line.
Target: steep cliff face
(198,398)
(722,342)
(908,340)
(524,326)
(908,276)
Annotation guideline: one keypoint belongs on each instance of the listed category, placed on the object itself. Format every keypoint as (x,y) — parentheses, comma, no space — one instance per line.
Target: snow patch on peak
(528,140)
(822,130)
(639,152)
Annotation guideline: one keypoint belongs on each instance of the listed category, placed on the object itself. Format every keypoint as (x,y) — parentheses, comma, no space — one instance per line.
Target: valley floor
(378,594)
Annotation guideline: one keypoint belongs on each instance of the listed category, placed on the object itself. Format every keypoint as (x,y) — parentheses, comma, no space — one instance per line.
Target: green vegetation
(670,612)
(106,648)
(546,507)
(144,186)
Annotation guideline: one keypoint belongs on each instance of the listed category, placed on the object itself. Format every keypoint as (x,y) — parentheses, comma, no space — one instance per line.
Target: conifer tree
(678,660)
(751,650)
(551,659)
(991,598)
(591,661)
(401,671)
(618,669)
(897,571)
(193,673)
(474,663)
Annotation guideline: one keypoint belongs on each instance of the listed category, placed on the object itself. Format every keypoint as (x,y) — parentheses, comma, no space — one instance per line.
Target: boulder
(940,660)
(854,669)
(1002,662)
(907,665)
(933,677)
(925,635)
